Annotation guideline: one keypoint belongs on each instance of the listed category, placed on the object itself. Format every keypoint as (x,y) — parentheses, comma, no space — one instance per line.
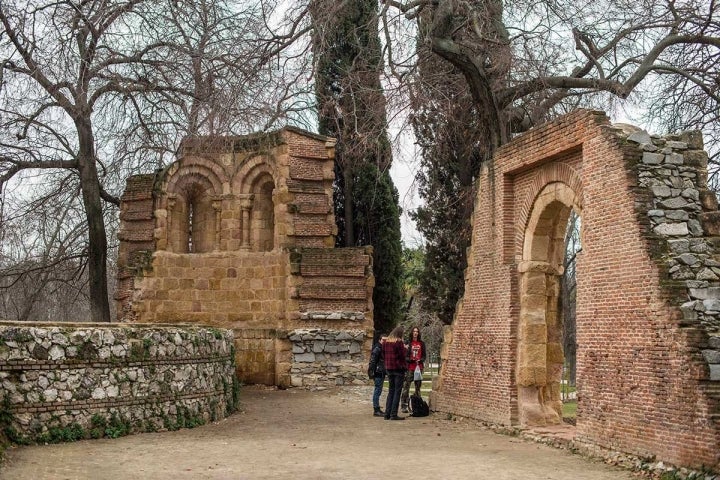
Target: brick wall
(645,359)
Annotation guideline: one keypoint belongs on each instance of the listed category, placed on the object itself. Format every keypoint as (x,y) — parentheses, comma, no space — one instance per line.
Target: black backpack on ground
(418,406)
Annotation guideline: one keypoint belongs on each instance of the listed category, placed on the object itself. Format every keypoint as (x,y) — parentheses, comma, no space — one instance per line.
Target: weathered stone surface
(676,145)
(711,356)
(708,200)
(677,215)
(712,305)
(707,274)
(641,137)
(695,227)
(678,246)
(696,158)
(710,222)
(672,229)
(305,357)
(673,203)
(705,293)
(56,352)
(661,191)
(688,259)
(652,158)
(674,159)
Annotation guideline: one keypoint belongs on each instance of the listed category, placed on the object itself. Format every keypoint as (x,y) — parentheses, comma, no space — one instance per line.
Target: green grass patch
(569,409)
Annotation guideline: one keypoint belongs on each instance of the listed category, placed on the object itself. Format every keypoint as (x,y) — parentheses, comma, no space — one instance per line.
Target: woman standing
(415,358)
(376,372)
(395,366)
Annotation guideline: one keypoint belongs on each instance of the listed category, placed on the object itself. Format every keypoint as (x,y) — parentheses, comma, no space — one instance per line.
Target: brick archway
(648,343)
(540,355)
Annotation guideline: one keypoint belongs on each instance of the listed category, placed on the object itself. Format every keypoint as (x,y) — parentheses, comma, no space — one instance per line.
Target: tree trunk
(97,238)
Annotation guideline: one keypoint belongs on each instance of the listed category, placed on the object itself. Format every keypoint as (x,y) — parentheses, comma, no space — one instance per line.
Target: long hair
(410,338)
(396,334)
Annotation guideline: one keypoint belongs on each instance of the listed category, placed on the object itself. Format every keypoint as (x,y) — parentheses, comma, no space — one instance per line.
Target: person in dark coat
(376,372)
(395,365)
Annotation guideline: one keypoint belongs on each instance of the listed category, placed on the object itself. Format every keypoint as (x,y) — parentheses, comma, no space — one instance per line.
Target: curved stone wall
(65,382)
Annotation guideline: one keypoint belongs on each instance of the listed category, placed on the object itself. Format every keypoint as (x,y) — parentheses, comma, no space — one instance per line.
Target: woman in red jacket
(395,366)
(415,358)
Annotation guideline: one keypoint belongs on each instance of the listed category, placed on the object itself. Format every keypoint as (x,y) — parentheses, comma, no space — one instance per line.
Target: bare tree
(567,297)
(96,90)
(525,61)
(42,260)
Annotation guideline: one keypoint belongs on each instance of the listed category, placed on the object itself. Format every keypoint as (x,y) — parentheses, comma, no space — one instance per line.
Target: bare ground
(297,434)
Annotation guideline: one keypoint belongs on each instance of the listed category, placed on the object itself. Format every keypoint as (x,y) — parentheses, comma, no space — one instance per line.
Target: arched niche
(192,216)
(540,354)
(256,183)
(263,214)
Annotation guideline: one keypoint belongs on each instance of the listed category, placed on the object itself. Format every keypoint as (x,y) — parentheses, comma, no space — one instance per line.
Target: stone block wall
(239,234)
(76,381)
(224,289)
(257,355)
(327,358)
(646,320)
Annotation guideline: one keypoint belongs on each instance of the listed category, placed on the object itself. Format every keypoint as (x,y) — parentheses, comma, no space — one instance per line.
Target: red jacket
(394,355)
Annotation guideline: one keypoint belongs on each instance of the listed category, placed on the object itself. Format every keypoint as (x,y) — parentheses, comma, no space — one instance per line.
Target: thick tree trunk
(97,237)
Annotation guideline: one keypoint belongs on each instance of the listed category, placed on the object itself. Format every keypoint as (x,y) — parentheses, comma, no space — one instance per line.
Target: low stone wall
(327,358)
(93,380)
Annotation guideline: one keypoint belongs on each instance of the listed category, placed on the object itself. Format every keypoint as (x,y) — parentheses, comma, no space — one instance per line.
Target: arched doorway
(540,352)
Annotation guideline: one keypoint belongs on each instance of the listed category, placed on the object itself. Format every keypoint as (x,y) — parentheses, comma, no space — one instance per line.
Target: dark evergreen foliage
(448,131)
(351,108)
(378,224)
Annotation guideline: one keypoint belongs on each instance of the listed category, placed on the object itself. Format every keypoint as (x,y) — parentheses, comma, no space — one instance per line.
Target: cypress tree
(351,108)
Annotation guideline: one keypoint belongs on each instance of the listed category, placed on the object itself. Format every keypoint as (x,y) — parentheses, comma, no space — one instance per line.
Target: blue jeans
(395,384)
(378,391)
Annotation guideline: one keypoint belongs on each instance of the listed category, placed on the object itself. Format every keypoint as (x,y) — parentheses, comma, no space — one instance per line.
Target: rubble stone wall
(88,380)
(327,358)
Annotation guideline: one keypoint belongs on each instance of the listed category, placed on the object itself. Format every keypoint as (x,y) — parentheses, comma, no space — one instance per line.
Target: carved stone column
(217,206)
(246,207)
(171,201)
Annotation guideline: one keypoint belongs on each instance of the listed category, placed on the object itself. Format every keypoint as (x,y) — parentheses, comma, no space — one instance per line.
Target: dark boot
(377,412)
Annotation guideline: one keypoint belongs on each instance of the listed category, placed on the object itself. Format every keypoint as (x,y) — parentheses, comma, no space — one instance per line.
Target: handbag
(417,375)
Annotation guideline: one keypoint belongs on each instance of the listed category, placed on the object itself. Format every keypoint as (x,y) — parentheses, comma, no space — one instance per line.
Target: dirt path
(296,434)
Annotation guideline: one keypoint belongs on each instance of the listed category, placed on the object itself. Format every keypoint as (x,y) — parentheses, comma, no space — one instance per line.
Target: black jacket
(376,367)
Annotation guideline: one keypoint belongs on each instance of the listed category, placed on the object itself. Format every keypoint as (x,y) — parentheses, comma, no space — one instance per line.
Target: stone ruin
(648,292)
(239,233)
